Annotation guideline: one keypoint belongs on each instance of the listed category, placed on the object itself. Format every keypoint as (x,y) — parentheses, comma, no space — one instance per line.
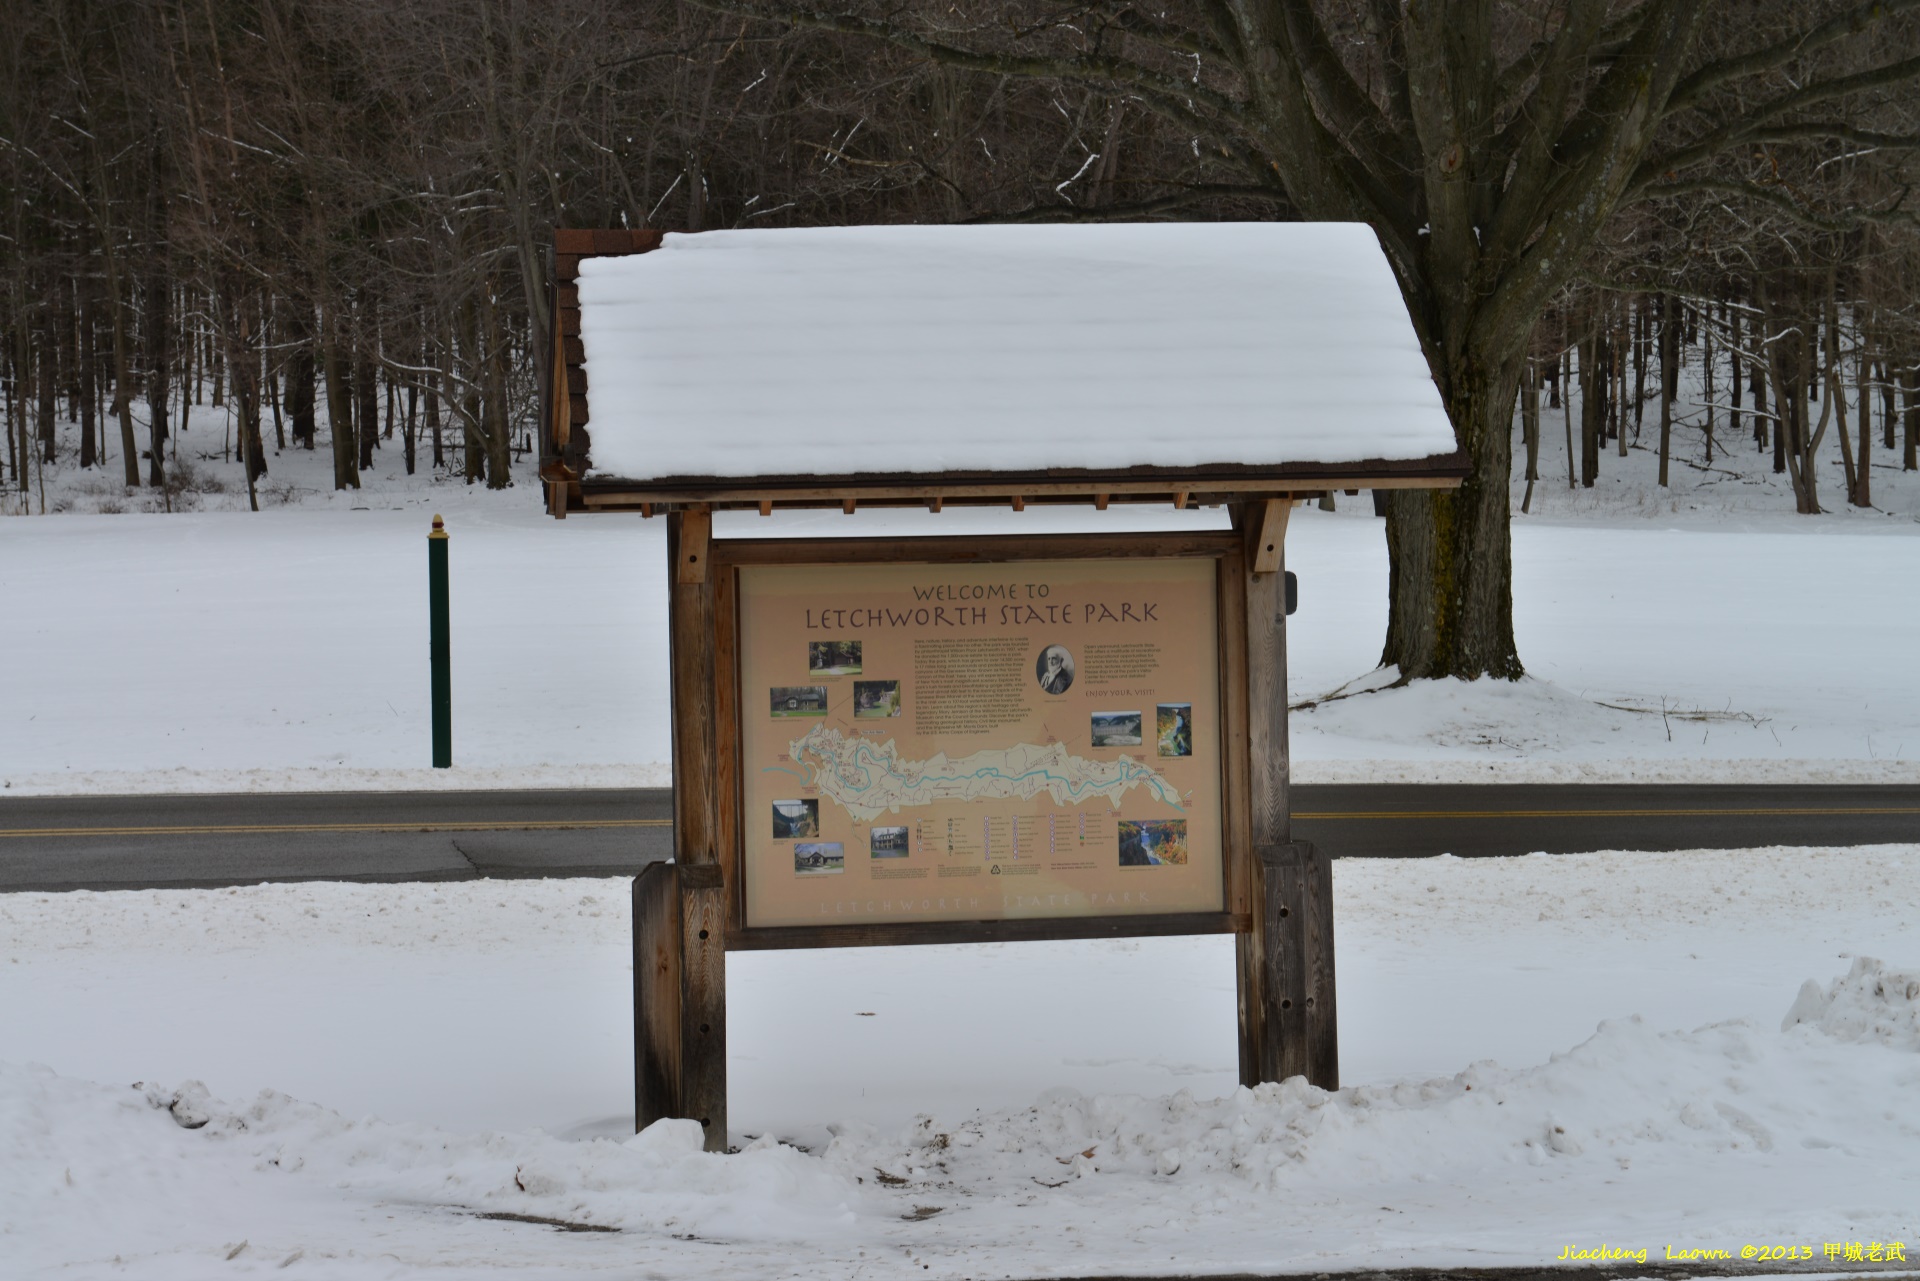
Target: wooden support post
(1316,937)
(656,994)
(701,891)
(1297,1030)
(1290,944)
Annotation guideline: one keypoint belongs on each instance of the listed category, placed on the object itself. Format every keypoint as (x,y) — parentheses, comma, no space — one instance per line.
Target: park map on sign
(868,779)
(982,741)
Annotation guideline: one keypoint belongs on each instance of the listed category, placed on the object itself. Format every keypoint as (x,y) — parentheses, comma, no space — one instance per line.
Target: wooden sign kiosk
(978,738)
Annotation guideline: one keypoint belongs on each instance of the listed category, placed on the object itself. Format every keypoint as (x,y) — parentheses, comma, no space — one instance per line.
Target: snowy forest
(322,225)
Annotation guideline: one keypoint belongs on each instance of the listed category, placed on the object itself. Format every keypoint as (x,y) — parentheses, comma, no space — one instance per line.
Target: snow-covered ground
(1538,1052)
(1702,632)
(220,651)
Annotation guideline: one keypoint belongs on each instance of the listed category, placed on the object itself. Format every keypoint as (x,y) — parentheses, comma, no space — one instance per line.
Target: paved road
(124,842)
(1483,819)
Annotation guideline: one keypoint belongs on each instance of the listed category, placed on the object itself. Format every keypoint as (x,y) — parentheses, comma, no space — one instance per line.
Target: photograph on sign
(1174,726)
(833,658)
(876,698)
(1025,741)
(793,818)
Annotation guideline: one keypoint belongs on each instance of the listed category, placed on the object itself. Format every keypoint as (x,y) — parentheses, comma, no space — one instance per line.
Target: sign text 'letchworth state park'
(982,742)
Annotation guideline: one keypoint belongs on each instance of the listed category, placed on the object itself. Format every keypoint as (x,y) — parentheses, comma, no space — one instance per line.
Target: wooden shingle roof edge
(564,439)
(565,442)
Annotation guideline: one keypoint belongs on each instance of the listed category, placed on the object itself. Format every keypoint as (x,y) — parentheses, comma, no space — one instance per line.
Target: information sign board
(1021,740)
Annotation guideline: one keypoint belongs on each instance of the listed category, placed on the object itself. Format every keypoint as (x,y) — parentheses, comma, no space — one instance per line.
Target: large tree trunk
(1733,369)
(1530,427)
(1706,372)
(433,419)
(410,454)
(44,383)
(1450,590)
(1593,404)
(1910,392)
(498,435)
(16,411)
(474,451)
(300,374)
(21,453)
(159,388)
(1669,359)
(89,375)
(243,360)
(1863,481)
(1566,405)
(366,397)
(1642,323)
(346,473)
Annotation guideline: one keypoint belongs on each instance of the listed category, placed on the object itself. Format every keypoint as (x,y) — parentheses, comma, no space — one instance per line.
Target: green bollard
(439,645)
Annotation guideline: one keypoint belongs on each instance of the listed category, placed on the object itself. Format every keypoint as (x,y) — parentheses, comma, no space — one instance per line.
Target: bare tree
(1488,146)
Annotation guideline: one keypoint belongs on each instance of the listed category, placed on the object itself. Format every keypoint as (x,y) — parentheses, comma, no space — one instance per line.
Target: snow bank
(171,1181)
(1643,1138)
(472,1046)
(836,350)
(1629,1095)
(657,1181)
(1869,1003)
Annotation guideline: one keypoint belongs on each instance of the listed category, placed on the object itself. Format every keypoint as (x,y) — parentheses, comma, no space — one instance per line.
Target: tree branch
(1348,110)
(1599,158)
(1839,27)
(1166,35)
(1600,49)
(1136,209)
(1384,19)
(1097,69)
(1528,141)
(1322,178)
(1667,166)
(1849,219)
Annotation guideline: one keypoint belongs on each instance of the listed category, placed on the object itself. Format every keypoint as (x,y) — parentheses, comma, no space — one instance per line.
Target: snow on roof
(915,349)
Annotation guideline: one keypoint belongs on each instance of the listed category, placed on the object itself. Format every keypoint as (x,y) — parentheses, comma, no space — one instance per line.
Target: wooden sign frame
(689,913)
(1224,549)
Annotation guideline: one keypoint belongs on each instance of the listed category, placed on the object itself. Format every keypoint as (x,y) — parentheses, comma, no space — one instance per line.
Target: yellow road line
(1333,816)
(254,829)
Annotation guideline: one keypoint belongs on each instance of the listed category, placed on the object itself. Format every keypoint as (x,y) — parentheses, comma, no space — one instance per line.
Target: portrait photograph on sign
(1025,740)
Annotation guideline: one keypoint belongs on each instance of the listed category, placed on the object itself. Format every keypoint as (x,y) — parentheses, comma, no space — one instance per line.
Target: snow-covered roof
(936,351)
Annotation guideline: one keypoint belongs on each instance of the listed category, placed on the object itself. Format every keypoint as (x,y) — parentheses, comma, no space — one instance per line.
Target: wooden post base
(1287,1011)
(656,995)
(679,1040)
